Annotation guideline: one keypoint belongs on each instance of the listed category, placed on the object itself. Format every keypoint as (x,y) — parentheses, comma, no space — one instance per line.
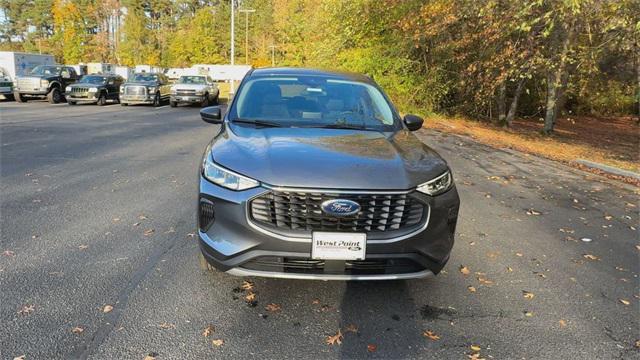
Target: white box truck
(14,64)
(124,71)
(100,68)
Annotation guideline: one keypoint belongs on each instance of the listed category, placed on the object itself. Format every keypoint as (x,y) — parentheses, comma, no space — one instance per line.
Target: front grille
(28,83)
(351,267)
(5,84)
(79,89)
(135,90)
(301,212)
(185,92)
(206,215)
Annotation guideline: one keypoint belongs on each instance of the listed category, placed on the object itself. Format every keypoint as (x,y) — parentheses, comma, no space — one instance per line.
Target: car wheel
(156,100)
(215,100)
(173,103)
(102,100)
(205,100)
(204,264)
(19,98)
(71,102)
(117,99)
(54,96)
(124,104)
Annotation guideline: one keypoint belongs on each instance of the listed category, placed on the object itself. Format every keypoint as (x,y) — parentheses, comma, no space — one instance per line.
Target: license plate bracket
(338,246)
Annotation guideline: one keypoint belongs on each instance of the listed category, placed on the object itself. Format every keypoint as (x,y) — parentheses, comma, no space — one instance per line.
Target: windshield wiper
(342,126)
(257,122)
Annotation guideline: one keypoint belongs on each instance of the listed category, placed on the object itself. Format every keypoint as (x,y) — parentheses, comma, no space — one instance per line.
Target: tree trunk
(514,103)
(554,83)
(502,103)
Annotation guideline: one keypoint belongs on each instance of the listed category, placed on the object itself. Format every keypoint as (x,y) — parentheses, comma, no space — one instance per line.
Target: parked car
(314,175)
(48,81)
(145,88)
(194,89)
(97,89)
(14,64)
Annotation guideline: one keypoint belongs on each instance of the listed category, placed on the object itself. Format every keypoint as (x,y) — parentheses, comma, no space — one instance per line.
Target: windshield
(145,77)
(191,80)
(46,70)
(311,101)
(98,80)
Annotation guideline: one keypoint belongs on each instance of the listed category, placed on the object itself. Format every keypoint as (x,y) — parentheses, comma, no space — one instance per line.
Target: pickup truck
(145,88)
(96,89)
(48,81)
(194,89)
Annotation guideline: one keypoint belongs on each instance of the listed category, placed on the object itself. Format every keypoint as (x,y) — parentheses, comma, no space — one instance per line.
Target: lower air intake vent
(206,215)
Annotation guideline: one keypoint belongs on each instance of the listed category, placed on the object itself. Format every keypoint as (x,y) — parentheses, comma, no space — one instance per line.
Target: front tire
(54,96)
(19,98)
(156,100)
(173,103)
(124,104)
(102,100)
(216,100)
(71,102)
(205,100)
(204,264)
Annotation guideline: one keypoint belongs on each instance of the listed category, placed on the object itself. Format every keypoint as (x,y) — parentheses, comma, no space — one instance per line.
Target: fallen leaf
(638,247)
(509,269)
(170,231)
(149,357)
(26,309)
(475,348)
(527,295)
(519,254)
(484,281)
(624,301)
(315,301)
(247,285)
(373,348)
(83,247)
(217,342)
(142,217)
(77,330)
(136,224)
(562,323)
(590,257)
(637,344)
(21,357)
(351,328)
(115,219)
(251,296)
(334,339)
(208,330)
(191,234)
(107,308)
(166,325)
(148,232)
(533,212)
(8,253)
(464,270)
(471,289)
(608,217)
(528,314)
(431,335)
(272,307)
(540,274)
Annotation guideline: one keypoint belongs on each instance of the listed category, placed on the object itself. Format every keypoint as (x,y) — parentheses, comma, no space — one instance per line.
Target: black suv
(95,88)
(48,81)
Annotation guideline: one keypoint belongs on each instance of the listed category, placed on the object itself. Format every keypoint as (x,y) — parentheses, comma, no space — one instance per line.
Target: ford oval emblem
(340,207)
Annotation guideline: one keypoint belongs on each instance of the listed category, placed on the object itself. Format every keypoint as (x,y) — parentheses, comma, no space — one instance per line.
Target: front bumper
(236,245)
(33,91)
(136,99)
(88,97)
(191,99)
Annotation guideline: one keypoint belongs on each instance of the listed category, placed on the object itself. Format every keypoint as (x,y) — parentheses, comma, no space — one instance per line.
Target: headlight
(438,185)
(93,89)
(44,83)
(226,178)
(121,89)
(199,92)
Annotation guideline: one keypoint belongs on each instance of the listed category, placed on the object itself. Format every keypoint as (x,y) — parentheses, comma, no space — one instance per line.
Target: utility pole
(232,89)
(273,55)
(246,32)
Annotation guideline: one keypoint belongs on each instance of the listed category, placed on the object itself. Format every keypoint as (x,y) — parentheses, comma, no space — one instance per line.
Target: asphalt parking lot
(98,258)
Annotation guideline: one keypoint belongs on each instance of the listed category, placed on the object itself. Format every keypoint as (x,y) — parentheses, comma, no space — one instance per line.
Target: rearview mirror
(413,122)
(211,115)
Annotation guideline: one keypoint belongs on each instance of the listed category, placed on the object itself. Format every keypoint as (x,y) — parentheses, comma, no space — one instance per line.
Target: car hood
(189,86)
(37,77)
(327,158)
(83,85)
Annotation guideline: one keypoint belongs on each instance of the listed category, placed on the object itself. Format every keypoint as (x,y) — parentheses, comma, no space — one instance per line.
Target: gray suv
(314,175)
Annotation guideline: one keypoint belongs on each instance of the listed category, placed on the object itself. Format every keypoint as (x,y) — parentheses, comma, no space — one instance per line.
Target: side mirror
(413,122)
(211,115)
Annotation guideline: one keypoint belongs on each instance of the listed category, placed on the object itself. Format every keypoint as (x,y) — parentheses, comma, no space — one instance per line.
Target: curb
(609,169)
